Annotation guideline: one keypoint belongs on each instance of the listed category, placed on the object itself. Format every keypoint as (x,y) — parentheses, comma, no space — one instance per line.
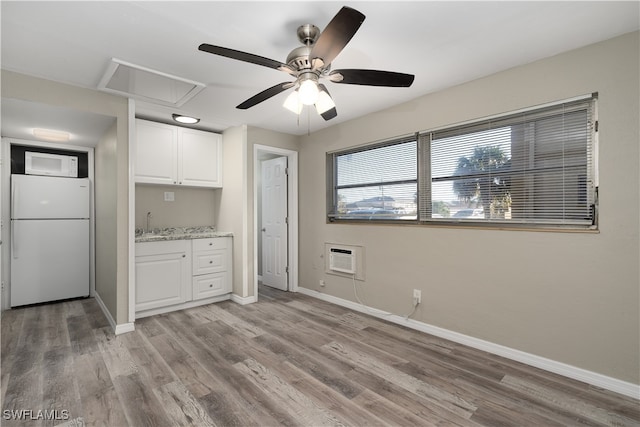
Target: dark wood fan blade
(371,78)
(242,56)
(264,95)
(331,113)
(337,34)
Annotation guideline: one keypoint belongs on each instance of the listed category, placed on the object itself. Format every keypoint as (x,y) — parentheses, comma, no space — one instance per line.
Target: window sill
(469,225)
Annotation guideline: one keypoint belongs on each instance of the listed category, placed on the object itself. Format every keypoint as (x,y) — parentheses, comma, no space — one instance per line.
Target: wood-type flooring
(288,360)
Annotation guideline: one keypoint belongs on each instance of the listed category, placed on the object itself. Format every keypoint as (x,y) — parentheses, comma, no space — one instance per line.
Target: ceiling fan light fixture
(185,119)
(292,103)
(324,102)
(311,62)
(308,92)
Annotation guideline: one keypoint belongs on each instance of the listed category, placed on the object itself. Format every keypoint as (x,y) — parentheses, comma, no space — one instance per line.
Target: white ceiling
(442,43)
(20,117)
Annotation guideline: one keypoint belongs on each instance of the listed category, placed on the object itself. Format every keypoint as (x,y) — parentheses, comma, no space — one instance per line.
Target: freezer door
(49,260)
(44,197)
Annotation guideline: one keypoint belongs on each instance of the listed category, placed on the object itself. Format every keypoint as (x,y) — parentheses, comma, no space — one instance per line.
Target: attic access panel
(134,81)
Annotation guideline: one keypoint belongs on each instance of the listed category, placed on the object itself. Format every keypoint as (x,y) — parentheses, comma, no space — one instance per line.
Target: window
(378,182)
(531,168)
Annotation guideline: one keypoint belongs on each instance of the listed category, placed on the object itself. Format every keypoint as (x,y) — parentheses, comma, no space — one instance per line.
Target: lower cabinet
(172,274)
(163,273)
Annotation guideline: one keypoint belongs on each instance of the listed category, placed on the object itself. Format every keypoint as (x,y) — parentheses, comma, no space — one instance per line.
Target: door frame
(272,221)
(292,209)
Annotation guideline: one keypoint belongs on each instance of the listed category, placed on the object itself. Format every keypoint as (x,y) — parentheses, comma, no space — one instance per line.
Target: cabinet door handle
(210,244)
(184,256)
(211,286)
(210,262)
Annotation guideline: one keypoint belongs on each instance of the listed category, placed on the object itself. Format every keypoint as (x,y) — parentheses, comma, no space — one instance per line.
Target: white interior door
(274,223)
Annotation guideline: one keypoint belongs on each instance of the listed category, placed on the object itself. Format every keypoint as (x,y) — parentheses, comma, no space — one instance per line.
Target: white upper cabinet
(156,153)
(201,155)
(173,155)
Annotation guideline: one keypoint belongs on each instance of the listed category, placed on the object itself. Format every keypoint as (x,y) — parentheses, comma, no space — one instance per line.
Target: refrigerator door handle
(14,245)
(14,184)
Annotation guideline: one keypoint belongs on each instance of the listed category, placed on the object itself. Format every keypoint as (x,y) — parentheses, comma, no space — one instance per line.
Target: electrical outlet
(417,296)
(321,283)
(169,196)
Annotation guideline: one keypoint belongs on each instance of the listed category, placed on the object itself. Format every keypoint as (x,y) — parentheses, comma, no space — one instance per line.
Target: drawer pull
(184,256)
(210,262)
(210,244)
(211,286)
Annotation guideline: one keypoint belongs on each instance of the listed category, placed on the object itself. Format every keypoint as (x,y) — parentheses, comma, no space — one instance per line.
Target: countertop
(179,233)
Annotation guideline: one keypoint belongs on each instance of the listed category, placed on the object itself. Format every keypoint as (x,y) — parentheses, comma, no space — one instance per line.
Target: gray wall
(230,202)
(569,297)
(234,203)
(106,221)
(191,207)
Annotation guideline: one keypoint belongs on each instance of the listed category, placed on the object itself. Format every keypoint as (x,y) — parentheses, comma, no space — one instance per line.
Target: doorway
(273,224)
(276,218)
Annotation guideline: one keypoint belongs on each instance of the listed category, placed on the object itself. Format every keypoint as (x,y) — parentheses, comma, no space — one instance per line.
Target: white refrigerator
(49,238)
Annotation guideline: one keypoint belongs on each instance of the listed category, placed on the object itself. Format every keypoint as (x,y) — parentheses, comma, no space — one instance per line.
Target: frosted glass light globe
(308,92)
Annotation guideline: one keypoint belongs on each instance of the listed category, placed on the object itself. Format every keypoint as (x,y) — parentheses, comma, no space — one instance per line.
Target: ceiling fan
(311,62)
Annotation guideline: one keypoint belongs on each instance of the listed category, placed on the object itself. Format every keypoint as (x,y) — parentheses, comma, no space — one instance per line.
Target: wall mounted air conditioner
(342,260)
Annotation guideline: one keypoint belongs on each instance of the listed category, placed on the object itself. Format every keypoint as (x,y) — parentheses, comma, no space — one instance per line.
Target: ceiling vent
(134,81)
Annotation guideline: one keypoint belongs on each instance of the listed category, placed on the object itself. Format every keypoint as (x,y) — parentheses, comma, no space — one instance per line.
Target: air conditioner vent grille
(342,260)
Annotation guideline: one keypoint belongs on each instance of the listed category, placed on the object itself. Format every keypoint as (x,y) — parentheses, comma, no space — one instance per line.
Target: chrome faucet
(149,216)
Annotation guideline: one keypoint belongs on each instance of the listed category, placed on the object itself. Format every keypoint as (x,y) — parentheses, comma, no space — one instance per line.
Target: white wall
(569,297)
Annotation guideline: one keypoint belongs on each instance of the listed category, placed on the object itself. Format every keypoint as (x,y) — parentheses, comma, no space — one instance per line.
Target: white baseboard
(117,329)
(123,328)
(243,300)
(569,371)
(183,306)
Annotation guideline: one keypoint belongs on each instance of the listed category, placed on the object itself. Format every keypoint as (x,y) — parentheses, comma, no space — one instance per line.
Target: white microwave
(50,164)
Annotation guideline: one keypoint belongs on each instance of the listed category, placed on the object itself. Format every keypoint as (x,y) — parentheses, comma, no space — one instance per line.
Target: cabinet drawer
(210,285)
(205,262)
(209,244)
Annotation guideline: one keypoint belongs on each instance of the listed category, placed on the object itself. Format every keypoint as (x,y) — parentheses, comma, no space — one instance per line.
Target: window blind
(530,167)
(377,182)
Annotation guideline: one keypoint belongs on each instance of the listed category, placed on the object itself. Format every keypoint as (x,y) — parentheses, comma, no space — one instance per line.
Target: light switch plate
(169,196)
